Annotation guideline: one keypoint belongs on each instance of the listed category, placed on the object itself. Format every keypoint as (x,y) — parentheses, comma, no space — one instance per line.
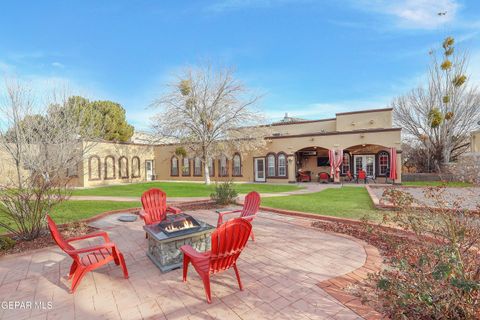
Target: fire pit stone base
(166,254)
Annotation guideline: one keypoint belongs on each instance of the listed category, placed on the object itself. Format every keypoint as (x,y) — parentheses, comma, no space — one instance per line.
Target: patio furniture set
(175,239)
(324,177)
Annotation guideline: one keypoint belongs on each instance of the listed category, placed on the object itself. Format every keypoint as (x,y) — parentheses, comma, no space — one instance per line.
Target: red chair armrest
(91,235)
(222,213)
(194,254)
(174,210)
(93,248)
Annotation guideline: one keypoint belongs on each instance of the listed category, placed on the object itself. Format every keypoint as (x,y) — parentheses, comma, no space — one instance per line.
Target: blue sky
(310,58)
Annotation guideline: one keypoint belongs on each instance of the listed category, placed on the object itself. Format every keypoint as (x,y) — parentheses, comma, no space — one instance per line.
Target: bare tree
(442,115)
(210,112)
(39,143)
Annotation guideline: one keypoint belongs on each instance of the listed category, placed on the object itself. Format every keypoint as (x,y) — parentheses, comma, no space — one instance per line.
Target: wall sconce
(290,160)
(362,136)
(353,123)
(372,121)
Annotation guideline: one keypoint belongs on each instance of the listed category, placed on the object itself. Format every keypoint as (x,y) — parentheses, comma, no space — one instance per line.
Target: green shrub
(6,243)
(224,193)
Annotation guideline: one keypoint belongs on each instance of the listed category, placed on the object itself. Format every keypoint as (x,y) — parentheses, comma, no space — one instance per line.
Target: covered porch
(365,163)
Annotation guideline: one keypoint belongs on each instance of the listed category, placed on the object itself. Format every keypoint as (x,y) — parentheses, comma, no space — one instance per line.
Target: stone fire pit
(166,238)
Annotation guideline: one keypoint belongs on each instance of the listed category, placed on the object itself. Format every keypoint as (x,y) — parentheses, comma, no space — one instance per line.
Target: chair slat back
(57,237)
(362,174)
(251,204)
(228,242)
(154,203)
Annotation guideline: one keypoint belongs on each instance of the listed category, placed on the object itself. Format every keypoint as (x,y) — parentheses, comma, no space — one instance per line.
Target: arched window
(186,167)
(237,165)
(211,167)
(135,167)
(271,165)
(94,168)
(383,163)
(197,167)
(282,165)
(123,167)
(174,167)
(223,166)
(109,168)
(346,163)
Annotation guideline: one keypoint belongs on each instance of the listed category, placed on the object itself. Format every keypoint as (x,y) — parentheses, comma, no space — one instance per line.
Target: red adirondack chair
(362,175)
(248,212)
(89,258)
(228,242)
(154,203)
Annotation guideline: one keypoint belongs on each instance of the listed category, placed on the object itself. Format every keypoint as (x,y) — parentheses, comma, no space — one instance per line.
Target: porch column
(399,168)
(291,169)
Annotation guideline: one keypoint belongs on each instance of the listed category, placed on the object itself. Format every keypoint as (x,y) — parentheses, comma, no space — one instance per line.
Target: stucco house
(366,138)
(362,139)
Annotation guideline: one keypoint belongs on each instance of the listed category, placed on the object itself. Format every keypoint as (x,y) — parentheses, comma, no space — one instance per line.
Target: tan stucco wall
(475,141)
(288,145)
(307,127)
(364,120)
(102,150)
(164,154)
(8,171)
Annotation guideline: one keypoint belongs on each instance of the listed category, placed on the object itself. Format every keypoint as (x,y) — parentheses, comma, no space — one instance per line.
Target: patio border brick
(336,286)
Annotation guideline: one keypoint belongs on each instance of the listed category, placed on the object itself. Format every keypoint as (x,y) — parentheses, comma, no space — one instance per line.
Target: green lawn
(346,202)
(437,183)
(70,211)
(177,189)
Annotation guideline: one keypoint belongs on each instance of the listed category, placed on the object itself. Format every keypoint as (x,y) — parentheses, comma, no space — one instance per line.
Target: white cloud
(413,14)
(57,64)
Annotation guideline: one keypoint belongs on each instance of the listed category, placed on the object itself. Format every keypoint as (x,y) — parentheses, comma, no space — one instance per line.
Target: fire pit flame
(185,225)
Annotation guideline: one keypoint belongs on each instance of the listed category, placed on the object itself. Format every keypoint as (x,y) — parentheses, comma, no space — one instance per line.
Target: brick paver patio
(280,272)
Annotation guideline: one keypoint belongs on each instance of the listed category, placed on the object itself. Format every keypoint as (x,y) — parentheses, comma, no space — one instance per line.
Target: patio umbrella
(393,164)
(335,161)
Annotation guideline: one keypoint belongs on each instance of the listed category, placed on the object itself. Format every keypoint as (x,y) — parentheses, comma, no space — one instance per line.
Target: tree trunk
(206,170)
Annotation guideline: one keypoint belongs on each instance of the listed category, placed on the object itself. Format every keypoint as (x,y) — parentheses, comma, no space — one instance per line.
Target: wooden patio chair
(89,258)
(249,211)
(154,206)
(323,177)
(228,242)
(304,176)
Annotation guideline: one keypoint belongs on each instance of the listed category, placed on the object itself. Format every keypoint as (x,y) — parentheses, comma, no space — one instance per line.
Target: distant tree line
(101,119)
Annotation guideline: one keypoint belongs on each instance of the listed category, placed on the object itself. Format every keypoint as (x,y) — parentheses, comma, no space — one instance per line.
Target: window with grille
(271,165)
(174,171)
(383,163)
(282,165)
(346,163)
(197,169)
(237,165)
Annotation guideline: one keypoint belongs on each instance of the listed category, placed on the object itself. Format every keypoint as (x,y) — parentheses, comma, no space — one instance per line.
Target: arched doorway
(371,158)
(310,162)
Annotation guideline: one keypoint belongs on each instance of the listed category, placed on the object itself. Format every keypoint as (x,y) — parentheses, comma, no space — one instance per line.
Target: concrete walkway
(308,188)
(280,273)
